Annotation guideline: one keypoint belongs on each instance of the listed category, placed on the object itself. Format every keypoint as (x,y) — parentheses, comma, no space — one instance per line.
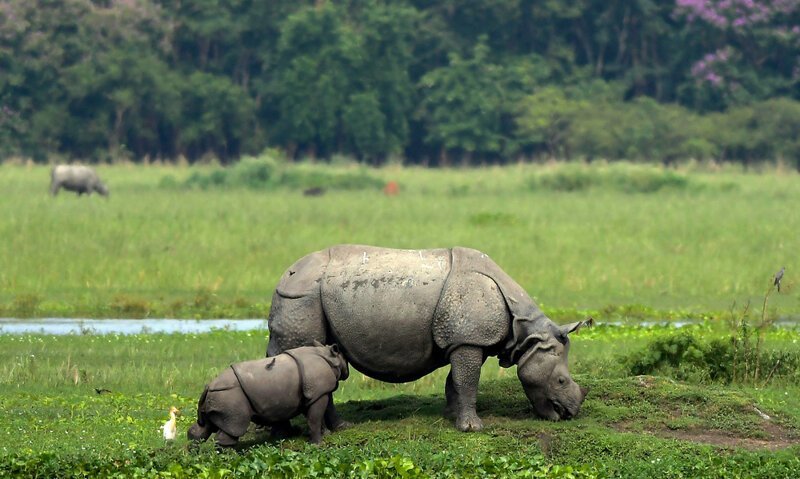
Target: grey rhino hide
(519,303)
(275,387)
(265,385)
(398,315)
(405,288)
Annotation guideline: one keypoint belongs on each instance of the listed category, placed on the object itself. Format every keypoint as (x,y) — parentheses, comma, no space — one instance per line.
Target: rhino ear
(532,341)
(572,327)
(334,349)
(317,344)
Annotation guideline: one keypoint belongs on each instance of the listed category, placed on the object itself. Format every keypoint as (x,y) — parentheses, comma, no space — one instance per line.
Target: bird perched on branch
(778,278)
(171,427)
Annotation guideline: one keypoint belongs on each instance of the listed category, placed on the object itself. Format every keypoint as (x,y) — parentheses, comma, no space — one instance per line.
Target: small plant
(747,349)
(739,359)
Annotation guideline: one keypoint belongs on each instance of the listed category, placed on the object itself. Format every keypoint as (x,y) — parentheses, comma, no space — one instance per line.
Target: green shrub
(683,356)
(624,178)
(266,172)
(645,180)
(675,352)
(567,179)
(300,178)
(253,172)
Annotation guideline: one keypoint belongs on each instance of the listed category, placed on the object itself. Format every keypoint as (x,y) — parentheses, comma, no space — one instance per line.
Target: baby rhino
(270,391)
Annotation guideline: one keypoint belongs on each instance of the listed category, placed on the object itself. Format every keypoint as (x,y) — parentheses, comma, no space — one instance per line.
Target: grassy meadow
(56,425)
(619,242)
(642,239)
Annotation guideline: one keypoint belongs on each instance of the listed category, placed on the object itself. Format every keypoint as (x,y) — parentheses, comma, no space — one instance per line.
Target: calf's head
(543,370)
(333,355)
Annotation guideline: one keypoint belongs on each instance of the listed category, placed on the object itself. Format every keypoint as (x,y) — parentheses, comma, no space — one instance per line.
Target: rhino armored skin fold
(398,315)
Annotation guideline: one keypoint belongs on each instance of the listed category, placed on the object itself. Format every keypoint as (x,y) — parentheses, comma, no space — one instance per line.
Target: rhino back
(274,391)
(380,304)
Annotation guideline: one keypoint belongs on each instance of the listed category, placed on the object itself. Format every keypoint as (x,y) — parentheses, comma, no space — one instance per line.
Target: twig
(774,368)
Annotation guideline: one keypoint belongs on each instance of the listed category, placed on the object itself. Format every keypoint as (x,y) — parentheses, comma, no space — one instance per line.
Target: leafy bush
(253,172)
(685,357)
(645,180)
(320,178)
(624,178)
(267,172)
(567,179)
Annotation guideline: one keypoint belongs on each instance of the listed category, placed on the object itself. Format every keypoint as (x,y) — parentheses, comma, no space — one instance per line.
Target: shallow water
(151,325)
(125,326)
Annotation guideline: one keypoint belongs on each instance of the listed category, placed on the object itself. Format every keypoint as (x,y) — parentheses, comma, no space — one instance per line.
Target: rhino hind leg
(200,433)
(226,440)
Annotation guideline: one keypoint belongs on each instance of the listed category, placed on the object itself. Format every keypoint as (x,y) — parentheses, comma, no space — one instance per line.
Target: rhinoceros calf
(270,391)
(78,178)
(398,315)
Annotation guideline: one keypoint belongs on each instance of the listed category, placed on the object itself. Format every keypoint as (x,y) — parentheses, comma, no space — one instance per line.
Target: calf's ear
(318,344)
(334,349)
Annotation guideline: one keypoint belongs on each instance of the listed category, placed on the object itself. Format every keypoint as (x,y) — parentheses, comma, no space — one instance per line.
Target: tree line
(433,82)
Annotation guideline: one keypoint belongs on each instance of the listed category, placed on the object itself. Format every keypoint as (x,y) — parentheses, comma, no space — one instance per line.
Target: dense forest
(431,82)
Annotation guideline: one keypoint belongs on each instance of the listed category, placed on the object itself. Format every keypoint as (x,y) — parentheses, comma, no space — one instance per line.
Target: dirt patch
(775,436)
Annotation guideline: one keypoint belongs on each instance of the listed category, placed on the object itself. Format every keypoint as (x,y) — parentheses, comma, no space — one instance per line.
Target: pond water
(125,326)
(152,325)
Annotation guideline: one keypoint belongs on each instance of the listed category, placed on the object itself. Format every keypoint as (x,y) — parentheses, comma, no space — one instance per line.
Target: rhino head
(333,355)
(541,355)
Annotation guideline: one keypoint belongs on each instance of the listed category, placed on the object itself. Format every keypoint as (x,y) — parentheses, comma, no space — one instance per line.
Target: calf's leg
(314,416)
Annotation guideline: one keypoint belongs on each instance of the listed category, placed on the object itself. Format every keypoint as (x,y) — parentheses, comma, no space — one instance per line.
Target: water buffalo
(78,178)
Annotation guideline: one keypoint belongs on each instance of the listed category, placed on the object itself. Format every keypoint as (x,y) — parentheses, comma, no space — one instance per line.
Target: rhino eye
(561,380)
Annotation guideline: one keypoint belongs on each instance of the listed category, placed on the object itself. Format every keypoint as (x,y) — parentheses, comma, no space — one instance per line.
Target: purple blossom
(735,13)
(709,68)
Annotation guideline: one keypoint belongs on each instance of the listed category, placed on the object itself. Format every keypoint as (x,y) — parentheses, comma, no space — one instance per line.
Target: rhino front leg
(314,416)
(461,388)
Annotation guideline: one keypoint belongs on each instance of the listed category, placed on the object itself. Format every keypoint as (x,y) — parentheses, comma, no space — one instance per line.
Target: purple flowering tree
(756,43)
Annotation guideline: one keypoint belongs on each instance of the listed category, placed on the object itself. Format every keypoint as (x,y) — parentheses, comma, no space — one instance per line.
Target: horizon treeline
(431,82)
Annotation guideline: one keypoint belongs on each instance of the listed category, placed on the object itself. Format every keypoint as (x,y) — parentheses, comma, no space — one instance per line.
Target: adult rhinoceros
(397,315)
(78,178)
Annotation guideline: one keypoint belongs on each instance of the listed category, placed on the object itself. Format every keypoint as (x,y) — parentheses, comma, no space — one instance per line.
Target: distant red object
(391,188)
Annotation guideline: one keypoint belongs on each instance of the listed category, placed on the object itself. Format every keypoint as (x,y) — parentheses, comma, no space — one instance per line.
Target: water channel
(125,326)
(153,325)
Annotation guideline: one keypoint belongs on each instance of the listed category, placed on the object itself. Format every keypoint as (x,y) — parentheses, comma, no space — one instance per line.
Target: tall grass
(691,244)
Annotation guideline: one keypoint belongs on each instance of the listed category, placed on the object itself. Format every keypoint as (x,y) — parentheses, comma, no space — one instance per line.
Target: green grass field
(618,242)
(55,424)
(151,250)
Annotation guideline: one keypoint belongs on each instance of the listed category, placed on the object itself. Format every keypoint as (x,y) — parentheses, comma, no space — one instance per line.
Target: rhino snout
(557,405)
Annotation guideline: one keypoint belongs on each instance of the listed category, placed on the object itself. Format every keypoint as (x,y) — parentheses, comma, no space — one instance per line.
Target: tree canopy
(430,81)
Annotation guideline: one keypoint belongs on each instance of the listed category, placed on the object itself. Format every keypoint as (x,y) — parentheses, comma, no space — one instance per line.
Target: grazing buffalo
(78,178)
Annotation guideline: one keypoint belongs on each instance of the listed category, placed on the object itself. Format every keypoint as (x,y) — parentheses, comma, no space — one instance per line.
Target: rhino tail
(201,415)
(202,429)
